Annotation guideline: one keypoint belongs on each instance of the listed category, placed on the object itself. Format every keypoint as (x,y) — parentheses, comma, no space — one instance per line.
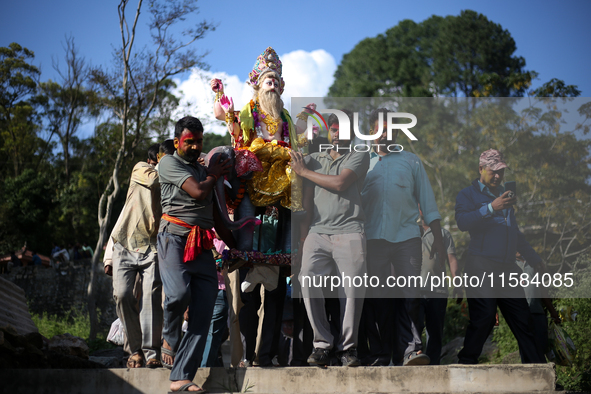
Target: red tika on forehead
(187,134)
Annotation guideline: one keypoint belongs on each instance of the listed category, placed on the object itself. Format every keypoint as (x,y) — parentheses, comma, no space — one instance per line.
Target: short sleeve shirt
(173,172)
(338,212)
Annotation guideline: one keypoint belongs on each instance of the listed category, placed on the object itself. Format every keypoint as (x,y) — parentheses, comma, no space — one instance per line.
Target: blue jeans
(219,323)
(192,284)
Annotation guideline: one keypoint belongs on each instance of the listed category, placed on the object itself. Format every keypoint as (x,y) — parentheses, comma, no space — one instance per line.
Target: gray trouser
(193,284)
(320,255)
(144,327)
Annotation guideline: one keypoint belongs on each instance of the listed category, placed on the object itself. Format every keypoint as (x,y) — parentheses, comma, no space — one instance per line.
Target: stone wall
(59,291)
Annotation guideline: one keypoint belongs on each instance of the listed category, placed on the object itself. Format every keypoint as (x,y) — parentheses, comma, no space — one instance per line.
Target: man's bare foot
(184,385)
(136,360)
(168,355)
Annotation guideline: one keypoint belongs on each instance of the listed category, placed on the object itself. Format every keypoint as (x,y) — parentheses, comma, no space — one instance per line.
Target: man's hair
(153,152)
(167,147)
(333,119)
(190,123)
(375,116)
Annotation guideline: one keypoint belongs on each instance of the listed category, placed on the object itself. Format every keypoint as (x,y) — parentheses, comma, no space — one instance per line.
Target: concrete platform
(493,379)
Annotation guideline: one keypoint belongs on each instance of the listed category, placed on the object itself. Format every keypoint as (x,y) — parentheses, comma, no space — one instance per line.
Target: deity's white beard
(271,103)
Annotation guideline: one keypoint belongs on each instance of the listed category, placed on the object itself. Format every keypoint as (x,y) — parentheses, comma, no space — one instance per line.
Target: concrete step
(493,379)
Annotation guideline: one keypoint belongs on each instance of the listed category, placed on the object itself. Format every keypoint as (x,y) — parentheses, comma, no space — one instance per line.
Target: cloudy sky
(311,38)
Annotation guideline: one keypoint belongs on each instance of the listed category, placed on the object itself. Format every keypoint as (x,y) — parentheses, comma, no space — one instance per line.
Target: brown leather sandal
(136,360)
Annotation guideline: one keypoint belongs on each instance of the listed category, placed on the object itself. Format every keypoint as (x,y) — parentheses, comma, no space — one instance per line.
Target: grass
(74,323)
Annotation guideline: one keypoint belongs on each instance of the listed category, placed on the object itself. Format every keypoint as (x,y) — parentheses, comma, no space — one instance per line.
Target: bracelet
(218,95)
(215,177)
(303,116)
(230,118)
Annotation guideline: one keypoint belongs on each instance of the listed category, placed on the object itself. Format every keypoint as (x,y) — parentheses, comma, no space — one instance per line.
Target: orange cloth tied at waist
(197,241)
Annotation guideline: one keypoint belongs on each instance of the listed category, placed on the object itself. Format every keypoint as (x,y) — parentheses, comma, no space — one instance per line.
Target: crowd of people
(358,213)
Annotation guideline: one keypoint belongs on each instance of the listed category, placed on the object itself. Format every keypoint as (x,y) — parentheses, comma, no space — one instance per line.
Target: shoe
(413,358)
(319,356)
(349,358)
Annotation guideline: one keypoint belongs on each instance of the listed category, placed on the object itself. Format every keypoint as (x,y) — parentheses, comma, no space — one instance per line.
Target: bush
(576,377)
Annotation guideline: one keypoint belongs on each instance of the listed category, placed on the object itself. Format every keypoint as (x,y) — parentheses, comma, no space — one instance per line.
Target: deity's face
(189,145)
(271,83)
(268,94)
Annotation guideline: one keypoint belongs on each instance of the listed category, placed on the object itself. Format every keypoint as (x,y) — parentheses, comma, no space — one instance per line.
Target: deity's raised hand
(216,85)
(312,107)
(227,103)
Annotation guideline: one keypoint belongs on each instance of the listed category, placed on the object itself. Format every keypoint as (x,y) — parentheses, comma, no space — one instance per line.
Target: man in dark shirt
(185,239)
(485,210)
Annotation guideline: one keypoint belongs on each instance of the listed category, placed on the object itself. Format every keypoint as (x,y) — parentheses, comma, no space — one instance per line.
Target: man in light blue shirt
(394,187)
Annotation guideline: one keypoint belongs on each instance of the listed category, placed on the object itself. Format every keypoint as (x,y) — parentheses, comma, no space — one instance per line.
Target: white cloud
(306,74)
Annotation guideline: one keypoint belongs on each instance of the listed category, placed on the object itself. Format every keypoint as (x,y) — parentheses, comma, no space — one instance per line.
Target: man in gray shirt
(333,235)
(185,240)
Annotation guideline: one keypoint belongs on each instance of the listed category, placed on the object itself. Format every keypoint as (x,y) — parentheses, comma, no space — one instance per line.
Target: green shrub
(456,320)
(576,377)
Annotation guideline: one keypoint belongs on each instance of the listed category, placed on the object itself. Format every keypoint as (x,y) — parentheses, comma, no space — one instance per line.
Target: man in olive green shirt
(333,235)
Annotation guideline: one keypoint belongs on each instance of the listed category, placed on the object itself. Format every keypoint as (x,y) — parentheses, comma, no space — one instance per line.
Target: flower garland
(277,258)
(233,204)
(254,108)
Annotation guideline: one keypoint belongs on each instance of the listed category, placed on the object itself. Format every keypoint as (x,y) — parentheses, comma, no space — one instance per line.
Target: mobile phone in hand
(511,186)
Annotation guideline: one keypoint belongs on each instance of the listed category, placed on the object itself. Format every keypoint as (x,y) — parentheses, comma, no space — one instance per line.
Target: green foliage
(73,322)
(578,376)
(212,140)
(24,209)
(465,55)
(456,320)
(18,120)
(504,339)
(556,88)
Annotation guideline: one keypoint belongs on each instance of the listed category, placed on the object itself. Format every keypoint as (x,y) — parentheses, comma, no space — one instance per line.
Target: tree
(465,55)
(211,140)
(27,200)
(135,88)
(18,127)
(67,103)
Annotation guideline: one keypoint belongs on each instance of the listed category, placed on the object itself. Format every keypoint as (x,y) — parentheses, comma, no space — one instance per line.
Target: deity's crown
(267,61)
